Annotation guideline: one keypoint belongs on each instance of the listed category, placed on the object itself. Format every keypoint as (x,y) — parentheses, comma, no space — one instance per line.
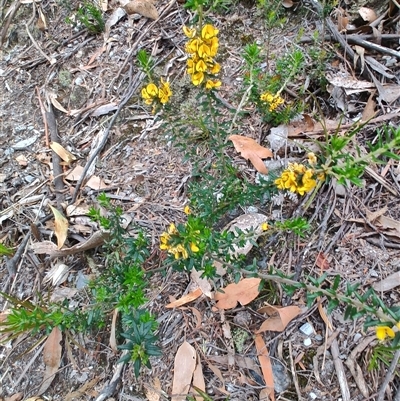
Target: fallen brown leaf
(244,292)
(191,296)
(184,366)
(142,7)
(64,154)
(51,358)
(279,317)
(251,150)
(266,367)
(60,227)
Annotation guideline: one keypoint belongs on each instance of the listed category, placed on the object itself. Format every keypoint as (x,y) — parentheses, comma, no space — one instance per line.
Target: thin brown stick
(43,111)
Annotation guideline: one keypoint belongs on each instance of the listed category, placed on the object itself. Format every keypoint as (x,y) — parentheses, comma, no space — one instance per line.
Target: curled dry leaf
(244,292)
(279,317)
(61,227)
(142,7)
(251,150)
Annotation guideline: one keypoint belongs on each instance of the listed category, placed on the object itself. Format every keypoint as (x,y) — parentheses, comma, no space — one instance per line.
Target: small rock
(281,378)
(307,342)
(307,329)
(357,336)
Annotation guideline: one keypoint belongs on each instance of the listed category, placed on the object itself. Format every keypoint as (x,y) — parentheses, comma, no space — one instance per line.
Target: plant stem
(313,289)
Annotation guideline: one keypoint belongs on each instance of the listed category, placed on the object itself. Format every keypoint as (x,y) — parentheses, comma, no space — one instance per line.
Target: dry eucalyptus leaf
(244,292)
(251,150)
(388,283)
(75,174)
(51,357)
(184,366)
(142,7)
(96,183)
(279,317)
(266,367)
(58,274)
(367,14)
(61,226)
(68,157)
(191,296)
(247,222)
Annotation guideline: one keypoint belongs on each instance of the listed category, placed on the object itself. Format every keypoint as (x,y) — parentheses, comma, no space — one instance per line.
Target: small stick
(42,110)
(12,263)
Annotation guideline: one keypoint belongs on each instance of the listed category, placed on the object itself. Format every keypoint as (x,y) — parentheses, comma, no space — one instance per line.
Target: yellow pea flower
(213,45)
(192,46)
(187,210)
(211,84)
(194,247)
(164,92)
(172,229)
(201,66)
(209,31)
(204,51)
(382,332)
(264,226)
(312,159)
(189,32)
(215,69)
(197,78)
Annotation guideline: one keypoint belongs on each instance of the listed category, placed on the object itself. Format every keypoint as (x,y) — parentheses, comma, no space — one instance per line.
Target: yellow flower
(208,31)
(149,92)
(164,92)
(210,84)
(274,100)
(194,247)
(215,69)
(382,332)
(201,66)
(398,325)
(191,66)
(264,226)
(192,46)
(189,32)
(179,251)
(287,180)
(172,229)
(213,45)
(197,78)
(187,210)
(267,97)
(204,51)
(312,159)
(164,240)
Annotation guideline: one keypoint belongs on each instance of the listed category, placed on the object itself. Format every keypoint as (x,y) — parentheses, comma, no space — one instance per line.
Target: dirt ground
(78,81)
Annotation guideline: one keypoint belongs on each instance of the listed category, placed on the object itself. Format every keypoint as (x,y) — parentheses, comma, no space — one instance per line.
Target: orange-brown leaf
(184,366)
(279,317)
(186,298)
(266,366)
(244,292)
(51,357)
(251,150)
